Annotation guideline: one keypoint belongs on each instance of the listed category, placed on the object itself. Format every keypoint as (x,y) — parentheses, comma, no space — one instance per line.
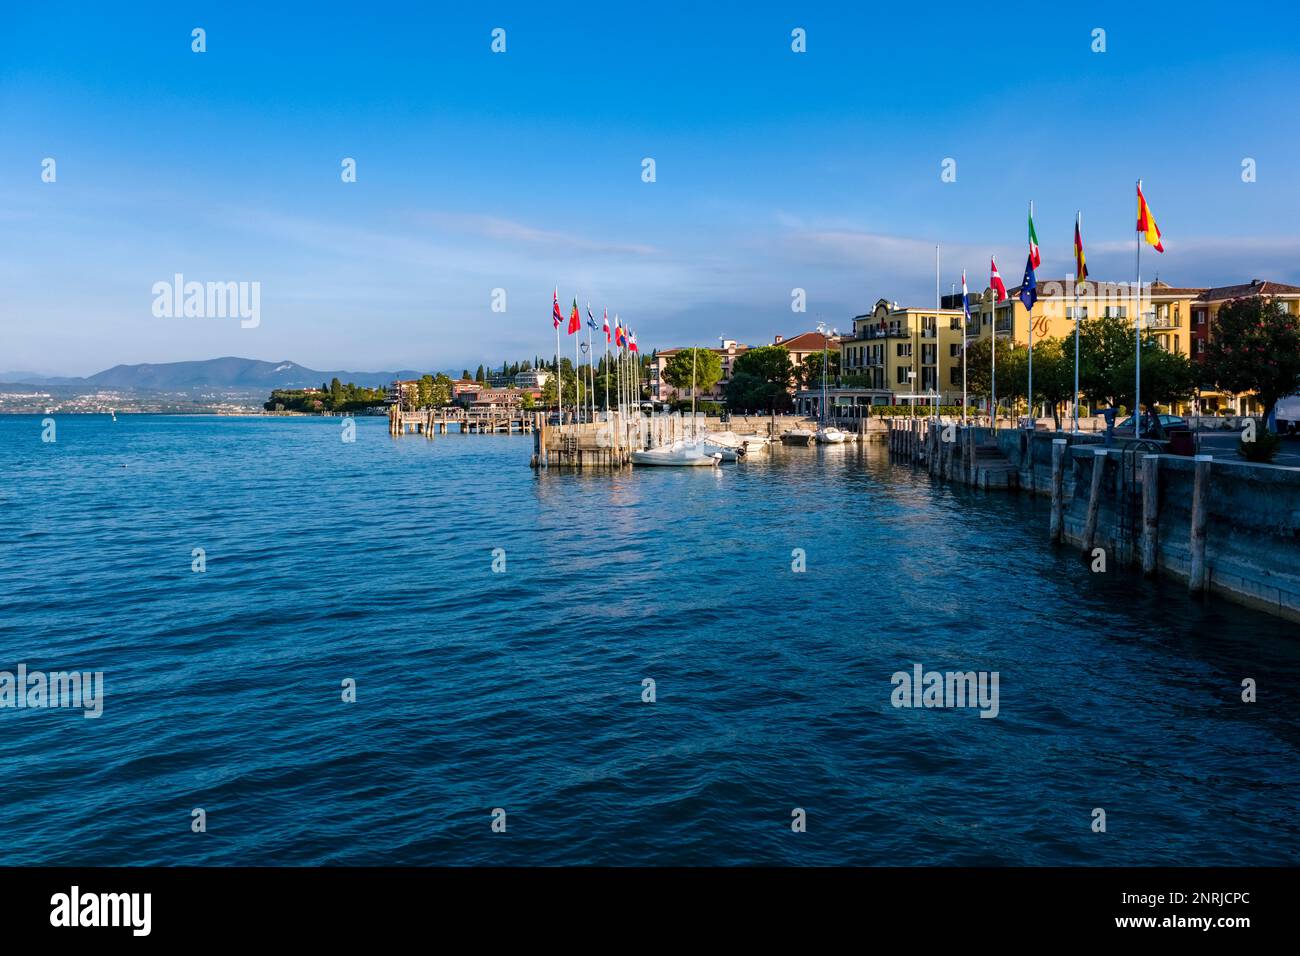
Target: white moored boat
(680,454)
(733,447)
(831,436)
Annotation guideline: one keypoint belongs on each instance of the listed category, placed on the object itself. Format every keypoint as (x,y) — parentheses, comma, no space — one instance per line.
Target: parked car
(1169,423)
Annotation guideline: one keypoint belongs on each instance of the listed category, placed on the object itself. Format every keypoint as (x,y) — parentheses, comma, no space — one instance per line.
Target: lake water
(522,689)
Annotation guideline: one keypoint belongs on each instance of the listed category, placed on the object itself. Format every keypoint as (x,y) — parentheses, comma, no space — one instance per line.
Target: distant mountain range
(235,374)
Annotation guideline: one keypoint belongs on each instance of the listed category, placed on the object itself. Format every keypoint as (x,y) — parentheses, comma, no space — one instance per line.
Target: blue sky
(522,170)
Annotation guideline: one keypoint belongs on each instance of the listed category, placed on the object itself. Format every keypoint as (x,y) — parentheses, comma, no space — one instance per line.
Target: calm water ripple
(522,690)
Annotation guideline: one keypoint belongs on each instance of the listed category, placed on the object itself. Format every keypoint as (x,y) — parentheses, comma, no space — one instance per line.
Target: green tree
(478,376)
(424,391)
(1105,354)
(440,394)
(1255,347)
(701,368)
(336,394)
(810,370)
(761,379)
(526,402)
(1054,374)
(1166,377)
(980,370)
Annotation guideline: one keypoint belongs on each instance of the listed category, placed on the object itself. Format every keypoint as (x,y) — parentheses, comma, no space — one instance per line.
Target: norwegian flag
(995,280)
(607,339)
(555,309)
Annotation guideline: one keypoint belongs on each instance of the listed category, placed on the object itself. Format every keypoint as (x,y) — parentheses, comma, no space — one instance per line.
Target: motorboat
(679,454)
(799,436)
(732,446)
(831,436)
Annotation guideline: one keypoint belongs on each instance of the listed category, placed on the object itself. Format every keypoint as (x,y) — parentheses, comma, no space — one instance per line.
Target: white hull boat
(679,454)
(831,436)
(733,447)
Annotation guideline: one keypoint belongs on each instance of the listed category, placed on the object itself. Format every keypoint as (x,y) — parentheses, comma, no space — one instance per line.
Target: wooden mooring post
(1094,499)
(1150,512)
(1058,489)
(1200,510)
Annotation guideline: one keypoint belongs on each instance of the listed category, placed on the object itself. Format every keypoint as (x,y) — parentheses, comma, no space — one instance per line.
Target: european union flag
(1029,285)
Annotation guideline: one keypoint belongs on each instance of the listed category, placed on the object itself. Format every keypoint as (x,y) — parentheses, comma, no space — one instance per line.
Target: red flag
(575,323)
(555,309)
(631,342)
(995,280)
(607,326)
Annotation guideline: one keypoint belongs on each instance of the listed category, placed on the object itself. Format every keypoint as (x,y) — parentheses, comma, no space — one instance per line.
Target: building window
(902,374)
(904,350)
(1200,316)
(954,324)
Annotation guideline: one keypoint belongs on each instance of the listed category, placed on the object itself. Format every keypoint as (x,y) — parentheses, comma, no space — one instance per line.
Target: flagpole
(559,382)
(1137,364)
(993,358)
(965,319)
(591,370)
(1029,318)
(938,304)
(606,331)
(1078,232)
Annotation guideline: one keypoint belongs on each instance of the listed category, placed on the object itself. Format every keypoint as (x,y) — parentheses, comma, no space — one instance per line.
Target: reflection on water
(522,689)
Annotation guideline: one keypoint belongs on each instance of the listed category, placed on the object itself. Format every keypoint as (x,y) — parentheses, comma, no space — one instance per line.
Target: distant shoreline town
(890,355)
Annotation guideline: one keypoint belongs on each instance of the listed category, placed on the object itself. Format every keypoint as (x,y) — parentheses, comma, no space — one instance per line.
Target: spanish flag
(1146,223)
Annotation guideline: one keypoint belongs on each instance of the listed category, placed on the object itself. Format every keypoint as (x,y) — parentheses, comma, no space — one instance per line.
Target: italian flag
(1034,258)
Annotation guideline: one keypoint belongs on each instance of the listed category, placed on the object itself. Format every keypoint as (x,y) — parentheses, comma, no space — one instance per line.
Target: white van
(1287,414)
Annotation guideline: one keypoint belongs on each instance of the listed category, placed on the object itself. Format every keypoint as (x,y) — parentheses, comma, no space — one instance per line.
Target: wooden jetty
(433,421)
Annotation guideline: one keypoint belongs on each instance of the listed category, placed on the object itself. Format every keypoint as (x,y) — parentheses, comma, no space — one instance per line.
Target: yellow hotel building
(909,352)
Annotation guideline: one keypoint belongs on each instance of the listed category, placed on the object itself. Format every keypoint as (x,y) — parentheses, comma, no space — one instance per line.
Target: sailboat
(827,434)
(688,453)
